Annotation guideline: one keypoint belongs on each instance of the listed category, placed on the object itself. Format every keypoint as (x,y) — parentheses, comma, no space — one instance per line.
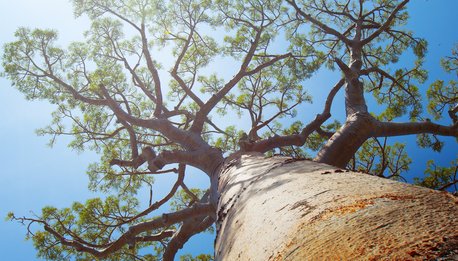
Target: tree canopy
(152,86)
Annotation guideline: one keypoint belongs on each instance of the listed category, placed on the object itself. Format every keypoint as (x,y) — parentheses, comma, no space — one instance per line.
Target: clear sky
(33,175)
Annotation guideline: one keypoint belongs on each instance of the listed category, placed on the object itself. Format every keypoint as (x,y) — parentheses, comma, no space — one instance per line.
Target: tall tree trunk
(281,209)
(342,146)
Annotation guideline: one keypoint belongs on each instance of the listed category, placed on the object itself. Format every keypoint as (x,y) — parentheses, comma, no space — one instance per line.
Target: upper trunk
(359,125)
(341,147)
(277,208)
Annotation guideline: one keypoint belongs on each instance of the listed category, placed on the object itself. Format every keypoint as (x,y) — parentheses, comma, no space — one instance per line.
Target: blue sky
(33,175)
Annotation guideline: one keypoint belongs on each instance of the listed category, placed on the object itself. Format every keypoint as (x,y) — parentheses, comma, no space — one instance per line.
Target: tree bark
(283,209)
(342,146)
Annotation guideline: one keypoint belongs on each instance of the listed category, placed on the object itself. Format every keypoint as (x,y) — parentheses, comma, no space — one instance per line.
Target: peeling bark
(283,209)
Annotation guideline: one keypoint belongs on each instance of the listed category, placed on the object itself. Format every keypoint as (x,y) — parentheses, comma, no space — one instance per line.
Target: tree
(112,90)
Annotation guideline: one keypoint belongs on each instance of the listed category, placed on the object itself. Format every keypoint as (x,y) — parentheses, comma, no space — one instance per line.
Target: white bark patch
(278,209)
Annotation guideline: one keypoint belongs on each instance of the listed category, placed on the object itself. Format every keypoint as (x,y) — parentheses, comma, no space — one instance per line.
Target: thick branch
(386,129)
(349,74)
(324,133)
(189,228)
(147,154)
(288,140)
(207,159)
(155,237)
(452,113)
(186,231)
(341,147)
(167,219)
(185,138)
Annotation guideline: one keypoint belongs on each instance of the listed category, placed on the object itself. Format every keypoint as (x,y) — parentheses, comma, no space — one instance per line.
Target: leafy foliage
(442,95)
(201,257)
(378,158)
(438,177)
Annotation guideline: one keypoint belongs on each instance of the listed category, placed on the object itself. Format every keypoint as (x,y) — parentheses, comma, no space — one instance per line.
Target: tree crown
(153,83)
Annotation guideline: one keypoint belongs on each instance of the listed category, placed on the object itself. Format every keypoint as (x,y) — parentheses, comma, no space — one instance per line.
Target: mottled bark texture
(282,209)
